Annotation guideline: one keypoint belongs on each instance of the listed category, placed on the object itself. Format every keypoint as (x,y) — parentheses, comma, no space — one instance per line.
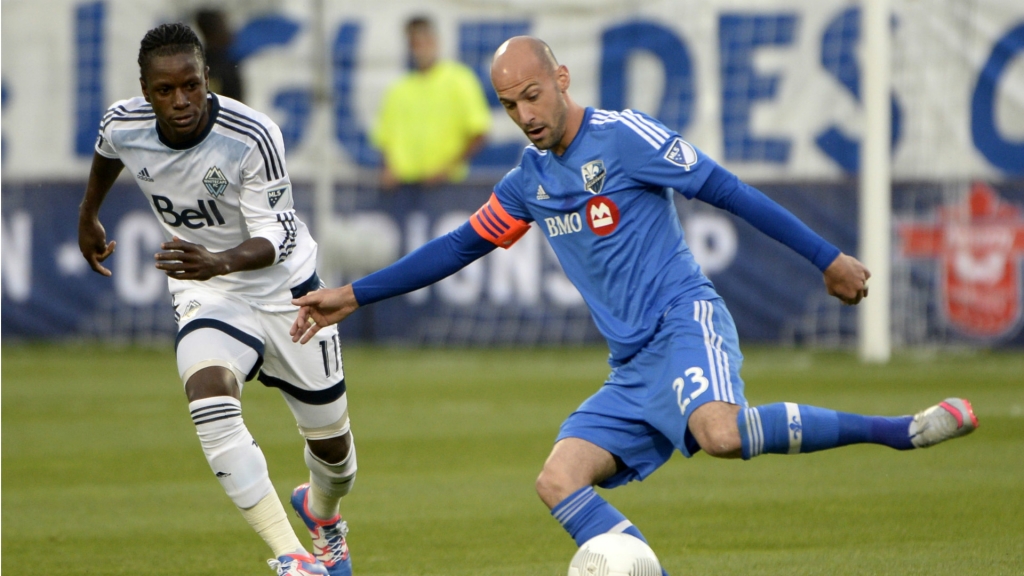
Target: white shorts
(217,329)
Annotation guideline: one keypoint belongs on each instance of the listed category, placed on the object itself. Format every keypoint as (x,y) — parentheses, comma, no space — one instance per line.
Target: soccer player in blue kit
(599,185)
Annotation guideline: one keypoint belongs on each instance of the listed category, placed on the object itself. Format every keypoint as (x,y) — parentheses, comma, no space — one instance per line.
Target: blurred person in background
(225,77)
(434,119)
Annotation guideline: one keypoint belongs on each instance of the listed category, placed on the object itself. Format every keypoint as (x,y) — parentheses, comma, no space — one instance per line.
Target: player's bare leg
(566,485)
(572,464)
(236,459)
(714,427)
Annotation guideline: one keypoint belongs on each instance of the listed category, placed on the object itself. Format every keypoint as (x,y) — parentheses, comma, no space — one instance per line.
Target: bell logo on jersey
(681,153)
(593,176)
(602,215)
(215,182)
(207,215)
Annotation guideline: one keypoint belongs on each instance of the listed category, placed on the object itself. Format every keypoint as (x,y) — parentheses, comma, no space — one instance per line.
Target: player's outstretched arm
(92,237)
(847,279)
(434,261)
(322,308)
(724,190)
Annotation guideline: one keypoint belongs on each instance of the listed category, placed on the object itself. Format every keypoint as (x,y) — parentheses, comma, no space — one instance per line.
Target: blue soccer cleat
(298,564)
(329,544)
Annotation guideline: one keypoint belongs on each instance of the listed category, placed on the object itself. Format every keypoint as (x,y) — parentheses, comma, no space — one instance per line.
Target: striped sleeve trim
(287,245)
(268,168)
(121,114)
(261,134)
(653,134)
(496,225)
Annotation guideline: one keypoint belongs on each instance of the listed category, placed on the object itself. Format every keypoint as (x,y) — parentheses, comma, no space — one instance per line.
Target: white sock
(234,456)
(269,520)
(329,482)
(241,469)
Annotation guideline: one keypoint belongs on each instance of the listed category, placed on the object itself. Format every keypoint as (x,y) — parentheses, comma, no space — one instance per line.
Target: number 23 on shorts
(696,376)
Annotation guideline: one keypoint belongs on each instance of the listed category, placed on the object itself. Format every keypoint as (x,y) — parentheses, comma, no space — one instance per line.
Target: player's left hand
(847,279)
(187,261)
(322,308)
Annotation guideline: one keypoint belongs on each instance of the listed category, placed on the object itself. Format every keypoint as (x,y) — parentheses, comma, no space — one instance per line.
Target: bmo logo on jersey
(602,215)
(206,215)
(567,224)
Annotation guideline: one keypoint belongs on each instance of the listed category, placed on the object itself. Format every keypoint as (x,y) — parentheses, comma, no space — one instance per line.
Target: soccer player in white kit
(213,171)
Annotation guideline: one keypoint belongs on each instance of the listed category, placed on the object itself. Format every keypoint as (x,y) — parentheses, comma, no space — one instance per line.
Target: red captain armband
(496,226)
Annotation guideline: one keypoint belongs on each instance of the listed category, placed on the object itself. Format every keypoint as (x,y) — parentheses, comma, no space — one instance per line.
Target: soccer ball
(614,554)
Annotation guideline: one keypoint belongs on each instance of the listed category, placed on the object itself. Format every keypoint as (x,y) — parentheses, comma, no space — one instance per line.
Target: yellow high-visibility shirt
(428,119)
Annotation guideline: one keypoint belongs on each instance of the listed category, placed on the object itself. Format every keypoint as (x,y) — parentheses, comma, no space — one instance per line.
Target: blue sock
(584,514)
(787,428)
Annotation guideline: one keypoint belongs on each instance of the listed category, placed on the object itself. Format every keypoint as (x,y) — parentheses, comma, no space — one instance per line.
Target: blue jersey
(607,209)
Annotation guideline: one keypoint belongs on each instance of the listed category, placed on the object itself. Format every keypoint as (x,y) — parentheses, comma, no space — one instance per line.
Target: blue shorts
(640,415)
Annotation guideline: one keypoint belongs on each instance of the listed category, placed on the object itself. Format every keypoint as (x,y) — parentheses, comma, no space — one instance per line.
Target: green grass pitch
(102,473)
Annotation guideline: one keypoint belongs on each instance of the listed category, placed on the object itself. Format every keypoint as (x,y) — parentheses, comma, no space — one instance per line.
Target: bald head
(534,90)
(522,56)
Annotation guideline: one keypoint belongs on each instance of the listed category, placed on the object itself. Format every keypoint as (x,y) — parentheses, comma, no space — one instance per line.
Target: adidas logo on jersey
(144,175)
(542,194)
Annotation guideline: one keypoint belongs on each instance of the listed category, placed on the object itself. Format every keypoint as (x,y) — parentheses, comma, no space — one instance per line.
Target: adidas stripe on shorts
(640,415)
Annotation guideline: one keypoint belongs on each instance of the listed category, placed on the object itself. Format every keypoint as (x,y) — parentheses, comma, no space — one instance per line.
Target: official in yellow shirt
(433,120)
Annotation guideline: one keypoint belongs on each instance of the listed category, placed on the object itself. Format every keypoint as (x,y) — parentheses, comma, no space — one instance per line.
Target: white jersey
(223,187)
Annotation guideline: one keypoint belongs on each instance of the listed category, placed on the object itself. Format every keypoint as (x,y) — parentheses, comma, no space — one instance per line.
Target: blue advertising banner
(770,89)
(957,269)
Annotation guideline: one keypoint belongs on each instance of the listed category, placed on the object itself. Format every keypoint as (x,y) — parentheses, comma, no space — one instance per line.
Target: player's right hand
(847,279)
(321,308)
(92,241)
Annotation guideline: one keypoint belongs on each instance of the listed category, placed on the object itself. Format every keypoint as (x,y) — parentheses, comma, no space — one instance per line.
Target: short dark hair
(169,39)
(419,22)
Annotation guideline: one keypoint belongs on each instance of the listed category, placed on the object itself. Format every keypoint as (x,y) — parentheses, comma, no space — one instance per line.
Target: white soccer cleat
(951,418)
